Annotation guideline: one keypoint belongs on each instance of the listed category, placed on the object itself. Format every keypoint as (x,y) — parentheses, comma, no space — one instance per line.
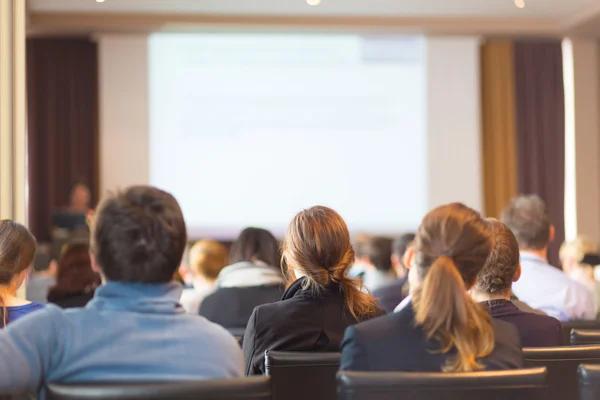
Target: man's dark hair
(379,252)
(401,244)
(255,244)
(528,219)
(501,266)
(139,235)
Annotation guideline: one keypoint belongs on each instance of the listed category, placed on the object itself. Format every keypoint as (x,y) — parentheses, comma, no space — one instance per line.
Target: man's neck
(480,296)
(541,253)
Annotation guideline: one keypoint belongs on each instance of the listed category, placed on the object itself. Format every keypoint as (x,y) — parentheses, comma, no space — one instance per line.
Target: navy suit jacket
(535,330)
(394,343)
(390,294)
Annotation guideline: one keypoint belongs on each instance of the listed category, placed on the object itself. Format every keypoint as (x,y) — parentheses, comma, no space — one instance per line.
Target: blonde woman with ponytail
(320,301)
(17,250)
(439,327)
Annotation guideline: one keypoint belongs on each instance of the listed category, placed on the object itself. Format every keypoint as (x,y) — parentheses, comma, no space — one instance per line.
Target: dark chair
(256,388)
(525,384)
(302,376)
(593,325)
(562,363)
(589,382)
(580,336)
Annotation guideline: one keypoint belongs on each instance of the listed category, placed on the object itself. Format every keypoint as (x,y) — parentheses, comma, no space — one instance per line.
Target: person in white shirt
(543,286)
(579,258)
(207,259)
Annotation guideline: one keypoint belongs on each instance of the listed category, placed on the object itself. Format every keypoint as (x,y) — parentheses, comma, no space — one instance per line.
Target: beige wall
(454,121)
(123,81)
(587,141)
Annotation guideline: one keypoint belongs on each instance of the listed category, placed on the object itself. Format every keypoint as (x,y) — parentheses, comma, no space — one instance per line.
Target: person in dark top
(76,281)
(438,327)
(253,278)
(493,290)
(321,300)
(17,251)
(392,293)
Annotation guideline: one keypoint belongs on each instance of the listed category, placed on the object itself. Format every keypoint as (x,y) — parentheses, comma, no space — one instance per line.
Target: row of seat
(527,384)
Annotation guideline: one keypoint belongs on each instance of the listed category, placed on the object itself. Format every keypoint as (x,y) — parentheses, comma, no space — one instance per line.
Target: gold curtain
(498,125)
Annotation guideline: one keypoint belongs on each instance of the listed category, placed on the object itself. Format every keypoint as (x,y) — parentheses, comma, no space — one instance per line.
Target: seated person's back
(542,286)
(17,250)
(76,281)
(391,294)
(207,259)
(252,279)
(134,329)
(579,258)
(439,327)
(493,290)
(320,303)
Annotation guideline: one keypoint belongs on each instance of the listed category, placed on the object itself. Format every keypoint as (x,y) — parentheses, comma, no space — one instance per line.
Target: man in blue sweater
(134,329)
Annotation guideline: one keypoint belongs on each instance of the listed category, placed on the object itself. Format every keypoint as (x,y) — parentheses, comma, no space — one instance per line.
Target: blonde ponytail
(448,315)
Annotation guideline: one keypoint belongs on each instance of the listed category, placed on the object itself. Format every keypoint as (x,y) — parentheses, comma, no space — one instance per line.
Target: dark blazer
(394,343)
(535,330)
(231,307)
(72,300)
(390,294)
(301,321)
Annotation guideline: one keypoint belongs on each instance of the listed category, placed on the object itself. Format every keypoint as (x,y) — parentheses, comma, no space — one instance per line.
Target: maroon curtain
(62,101)
(540,126)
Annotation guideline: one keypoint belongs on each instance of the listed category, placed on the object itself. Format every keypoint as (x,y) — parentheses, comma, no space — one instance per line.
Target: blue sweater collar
(138,297)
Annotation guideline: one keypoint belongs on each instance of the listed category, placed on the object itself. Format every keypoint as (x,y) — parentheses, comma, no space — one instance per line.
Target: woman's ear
(409,255)
(517,273)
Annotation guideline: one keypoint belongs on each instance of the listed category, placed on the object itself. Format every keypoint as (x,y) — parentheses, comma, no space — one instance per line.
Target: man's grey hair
(527,217)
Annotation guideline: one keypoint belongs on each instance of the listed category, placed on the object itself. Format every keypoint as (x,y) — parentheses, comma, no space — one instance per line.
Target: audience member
(320,301)
(377,260)
(252,279)
(579,258)
(493,290)
(41,278)
(17,250)
(134,329)
(541,285)
(207,258)
(392,293)
(76,281)
(438,327)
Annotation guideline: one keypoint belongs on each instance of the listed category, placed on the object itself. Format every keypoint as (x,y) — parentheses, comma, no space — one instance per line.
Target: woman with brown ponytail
(439,327)
(320,301)
(17,249)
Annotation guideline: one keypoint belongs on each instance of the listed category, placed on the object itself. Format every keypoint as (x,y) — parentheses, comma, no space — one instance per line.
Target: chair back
(302,376)
(589,382)
(581,336)
(562,363)
(256,388)
(525,384)
(593,325)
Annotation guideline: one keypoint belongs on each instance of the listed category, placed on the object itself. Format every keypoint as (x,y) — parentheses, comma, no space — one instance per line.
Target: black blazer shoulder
(394,343)
(301,321)
(231,307)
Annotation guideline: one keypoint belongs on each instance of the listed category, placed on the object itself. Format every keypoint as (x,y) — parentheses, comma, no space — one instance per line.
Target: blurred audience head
(502,267)
(527,217)
(255,245)
(207,259)
(377,252)
(17,251)
(450,249)
(74,273)
(573,253)
(317,247)
(399,248)
(80,197)
(138,235)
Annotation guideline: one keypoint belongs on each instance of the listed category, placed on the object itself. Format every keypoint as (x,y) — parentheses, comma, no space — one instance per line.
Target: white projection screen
(249,129)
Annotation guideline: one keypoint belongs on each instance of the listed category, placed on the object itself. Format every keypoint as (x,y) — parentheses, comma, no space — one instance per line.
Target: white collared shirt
(549,289)
(403,303)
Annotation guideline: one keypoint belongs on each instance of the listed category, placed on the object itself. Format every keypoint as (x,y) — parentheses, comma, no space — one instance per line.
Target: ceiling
(539,16)
(490,8)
